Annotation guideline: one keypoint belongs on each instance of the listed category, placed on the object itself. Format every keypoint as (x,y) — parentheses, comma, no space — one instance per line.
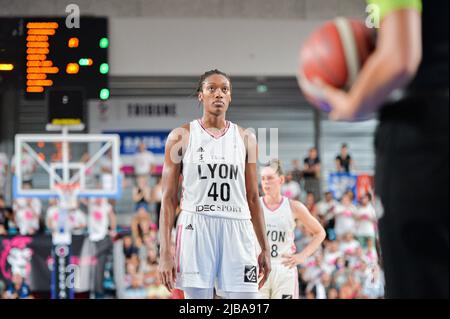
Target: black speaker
(65,107)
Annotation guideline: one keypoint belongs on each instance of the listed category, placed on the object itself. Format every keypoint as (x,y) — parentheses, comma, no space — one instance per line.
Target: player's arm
(312,226)
(175,147)
(393,65)
(256,212)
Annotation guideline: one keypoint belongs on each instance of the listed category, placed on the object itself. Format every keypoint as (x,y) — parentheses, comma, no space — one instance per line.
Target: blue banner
(130,140)
(339,183)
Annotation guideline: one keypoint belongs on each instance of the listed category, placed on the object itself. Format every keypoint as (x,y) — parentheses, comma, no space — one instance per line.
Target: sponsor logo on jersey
(189,227)
(218,208)
(250,274)
(286,297)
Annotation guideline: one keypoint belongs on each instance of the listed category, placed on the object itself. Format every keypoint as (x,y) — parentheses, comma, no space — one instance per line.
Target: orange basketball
(334,53)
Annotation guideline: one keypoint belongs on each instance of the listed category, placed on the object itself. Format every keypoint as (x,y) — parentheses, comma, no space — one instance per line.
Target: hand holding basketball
(331,58)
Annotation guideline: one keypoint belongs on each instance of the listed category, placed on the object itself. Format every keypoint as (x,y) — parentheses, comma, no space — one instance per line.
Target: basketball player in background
(412,142)
(280,214)
(215,240)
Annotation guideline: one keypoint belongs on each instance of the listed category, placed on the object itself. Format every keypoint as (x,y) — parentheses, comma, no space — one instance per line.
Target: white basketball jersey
(214,173)
(280,227)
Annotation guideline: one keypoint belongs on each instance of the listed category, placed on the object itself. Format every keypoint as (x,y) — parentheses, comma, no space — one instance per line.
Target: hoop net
(68,194)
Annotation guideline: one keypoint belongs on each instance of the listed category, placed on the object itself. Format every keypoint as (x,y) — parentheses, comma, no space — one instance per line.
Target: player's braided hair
(276,165)
(209,73)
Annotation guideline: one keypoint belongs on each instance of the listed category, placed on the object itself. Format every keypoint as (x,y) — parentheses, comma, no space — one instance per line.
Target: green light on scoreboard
(103,43)
(104,94)
(104,68)
(85,62)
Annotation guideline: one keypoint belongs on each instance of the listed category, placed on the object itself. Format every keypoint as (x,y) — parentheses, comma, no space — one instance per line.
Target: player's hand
(291,261)
(342,106)
(264,267)
(167,272)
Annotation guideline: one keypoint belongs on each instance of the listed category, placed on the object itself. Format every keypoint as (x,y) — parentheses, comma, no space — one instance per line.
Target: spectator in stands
(332,293)
(151,263)
(129,249)
(303,238)
(331,256)
(3,222)
(365,220)
(76,219)
(291,189)
(17,289)
(311,173)
(142,194)
(106,169)
(311,205)
(101,220)
(143,163)
(296,171)
(314,267)
(27,212)
(102,226)
(351,289)
(311,292)
(156,198)
(349,245)
(370,252)
(344,162)
(315,290)
(5,215)
(3,173)
(28,166)
(157,290)
(51,213)
(340,273)
(140,226)
(344,217)
(326,211)
(373,286)
(322,285)
(346,291)
(134,282)
(351,195)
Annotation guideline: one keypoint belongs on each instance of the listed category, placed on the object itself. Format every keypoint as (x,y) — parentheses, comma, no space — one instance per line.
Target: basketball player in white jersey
(280,214)
(221,211)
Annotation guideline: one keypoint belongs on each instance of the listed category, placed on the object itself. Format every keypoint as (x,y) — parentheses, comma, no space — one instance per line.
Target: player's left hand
(291,261)
(264,267)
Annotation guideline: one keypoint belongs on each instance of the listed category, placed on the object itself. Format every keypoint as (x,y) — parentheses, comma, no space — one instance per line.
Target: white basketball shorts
(281,284)
(216,252)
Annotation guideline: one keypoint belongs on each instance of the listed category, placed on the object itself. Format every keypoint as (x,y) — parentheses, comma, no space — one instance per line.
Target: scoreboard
(41,54)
